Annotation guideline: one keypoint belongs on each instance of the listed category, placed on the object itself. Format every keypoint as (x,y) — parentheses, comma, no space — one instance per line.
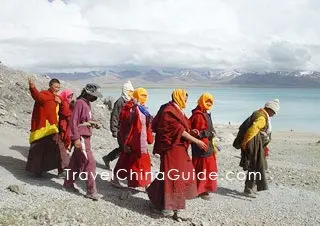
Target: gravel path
(293,197)
(290,199)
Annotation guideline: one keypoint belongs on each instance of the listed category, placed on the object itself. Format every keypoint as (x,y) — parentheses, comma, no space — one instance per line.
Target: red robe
(44,120)
(207,165)
(64,122)
(134,166)
(165,193)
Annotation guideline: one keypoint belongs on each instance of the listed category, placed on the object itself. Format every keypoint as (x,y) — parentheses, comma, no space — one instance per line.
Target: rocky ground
(293,197)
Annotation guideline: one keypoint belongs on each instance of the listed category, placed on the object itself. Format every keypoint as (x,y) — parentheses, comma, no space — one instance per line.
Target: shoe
(205,196)
(106,162)
(39,175)
(94,196)
(250,194)
(62,175)
(166,213)
(71,189)
(116,184)
(180,219)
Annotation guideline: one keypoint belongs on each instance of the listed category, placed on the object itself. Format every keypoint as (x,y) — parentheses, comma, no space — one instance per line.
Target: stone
(18,189)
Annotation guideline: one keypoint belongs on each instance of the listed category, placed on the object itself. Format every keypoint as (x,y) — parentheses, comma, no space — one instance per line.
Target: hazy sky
(80,34)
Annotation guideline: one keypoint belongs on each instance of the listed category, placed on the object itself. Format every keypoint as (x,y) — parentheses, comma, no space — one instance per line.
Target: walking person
(64,129)
(172,128)
(82,159)
(253,137)
(127,91)
(204,160)
(134,163)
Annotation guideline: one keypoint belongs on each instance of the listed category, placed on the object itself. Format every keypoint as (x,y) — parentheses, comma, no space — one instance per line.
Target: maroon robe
(135,162)
(205,165)
(167,193)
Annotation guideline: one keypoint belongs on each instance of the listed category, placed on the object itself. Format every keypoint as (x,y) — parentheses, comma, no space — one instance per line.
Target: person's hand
(195,133)
(94,124)
(97,126)
(201,145)
(57,99)
(77,144)
(31,82)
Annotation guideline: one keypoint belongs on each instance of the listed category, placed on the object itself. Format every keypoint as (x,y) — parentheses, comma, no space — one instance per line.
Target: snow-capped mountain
(198,76)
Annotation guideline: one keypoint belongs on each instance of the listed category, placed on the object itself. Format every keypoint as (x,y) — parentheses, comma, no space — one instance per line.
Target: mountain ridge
(159,76)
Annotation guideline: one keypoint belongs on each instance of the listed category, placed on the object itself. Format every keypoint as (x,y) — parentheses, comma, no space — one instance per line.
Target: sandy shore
(293,197)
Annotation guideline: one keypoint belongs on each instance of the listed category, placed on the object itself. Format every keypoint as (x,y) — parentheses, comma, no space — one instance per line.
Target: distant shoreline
(215,85)
(236,126)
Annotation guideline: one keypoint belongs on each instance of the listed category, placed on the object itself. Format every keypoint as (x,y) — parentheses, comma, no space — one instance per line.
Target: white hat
(126,88)
(274,105)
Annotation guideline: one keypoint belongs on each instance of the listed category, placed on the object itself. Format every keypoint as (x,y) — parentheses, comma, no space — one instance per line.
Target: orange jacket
(44,120)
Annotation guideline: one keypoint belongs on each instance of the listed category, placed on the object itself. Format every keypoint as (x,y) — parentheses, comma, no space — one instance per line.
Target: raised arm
(36,95)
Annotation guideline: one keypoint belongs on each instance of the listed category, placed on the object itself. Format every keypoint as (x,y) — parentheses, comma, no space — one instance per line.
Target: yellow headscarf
(179,97)
(141,95)
(203,99)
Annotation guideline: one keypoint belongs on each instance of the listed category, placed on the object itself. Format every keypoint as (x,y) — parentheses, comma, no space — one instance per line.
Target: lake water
(299,107)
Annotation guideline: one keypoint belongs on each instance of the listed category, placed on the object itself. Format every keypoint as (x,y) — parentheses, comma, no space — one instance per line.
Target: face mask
(93,98)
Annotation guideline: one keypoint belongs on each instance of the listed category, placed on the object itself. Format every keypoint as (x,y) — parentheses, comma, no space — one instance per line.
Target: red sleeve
(124,119)
(169,131)
(39,96)
(65,109)
(199,122)
(133,125)
(150,138)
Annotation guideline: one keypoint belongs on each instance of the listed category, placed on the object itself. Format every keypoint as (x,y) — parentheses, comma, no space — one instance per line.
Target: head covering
(139,93)
(65,93)
(274,105)
(126,88)
(179,97)
(202,101)
(92,89)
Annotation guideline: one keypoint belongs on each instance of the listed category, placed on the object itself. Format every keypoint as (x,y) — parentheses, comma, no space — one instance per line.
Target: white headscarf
(125,90)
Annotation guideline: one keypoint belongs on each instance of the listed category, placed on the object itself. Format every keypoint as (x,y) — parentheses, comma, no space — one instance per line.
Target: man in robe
(44,149)
(175,183)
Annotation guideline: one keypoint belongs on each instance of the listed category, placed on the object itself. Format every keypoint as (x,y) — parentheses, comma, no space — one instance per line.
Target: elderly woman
(253,137)
(172,140)
(204,160)
(134,163)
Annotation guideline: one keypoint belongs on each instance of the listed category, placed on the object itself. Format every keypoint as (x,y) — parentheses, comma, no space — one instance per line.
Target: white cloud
(69,34)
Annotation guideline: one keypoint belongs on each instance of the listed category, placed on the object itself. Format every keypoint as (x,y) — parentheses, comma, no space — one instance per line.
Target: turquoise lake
(299,107)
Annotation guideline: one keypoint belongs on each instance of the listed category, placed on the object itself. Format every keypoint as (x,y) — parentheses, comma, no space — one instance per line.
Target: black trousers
(115,153)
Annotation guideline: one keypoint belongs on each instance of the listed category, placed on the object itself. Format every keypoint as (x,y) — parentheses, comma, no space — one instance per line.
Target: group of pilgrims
(61,131)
